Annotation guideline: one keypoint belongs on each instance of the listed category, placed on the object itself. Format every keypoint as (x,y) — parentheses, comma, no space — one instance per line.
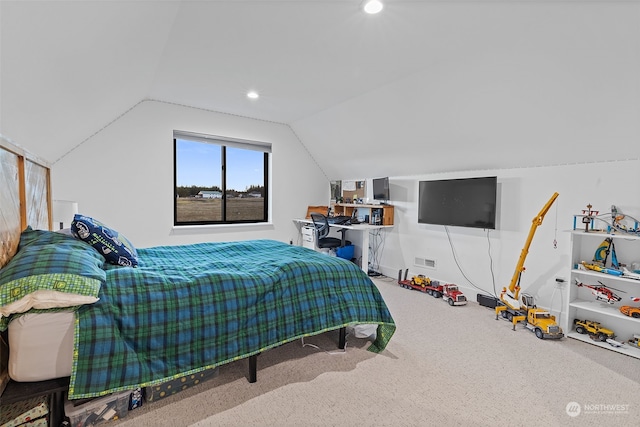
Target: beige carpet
(445,366)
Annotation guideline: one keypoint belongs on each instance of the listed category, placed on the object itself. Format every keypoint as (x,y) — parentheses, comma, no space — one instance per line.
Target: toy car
(630,311)
(594,329)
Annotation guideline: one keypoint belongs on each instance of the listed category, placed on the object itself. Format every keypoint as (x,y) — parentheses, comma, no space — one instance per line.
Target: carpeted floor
(445,366)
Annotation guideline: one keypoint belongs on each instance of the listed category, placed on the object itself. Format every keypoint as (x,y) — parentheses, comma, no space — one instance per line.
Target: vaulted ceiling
(424,86)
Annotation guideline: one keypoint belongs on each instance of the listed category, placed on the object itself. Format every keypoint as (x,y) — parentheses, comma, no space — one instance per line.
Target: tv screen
(467,202)
(381,189)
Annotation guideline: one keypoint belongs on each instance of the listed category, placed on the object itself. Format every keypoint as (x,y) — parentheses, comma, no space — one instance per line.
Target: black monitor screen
(468,202)
(381,189)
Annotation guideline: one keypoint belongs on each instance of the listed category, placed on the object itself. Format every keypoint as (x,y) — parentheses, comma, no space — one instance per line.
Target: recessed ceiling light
(252,94)
(373,6)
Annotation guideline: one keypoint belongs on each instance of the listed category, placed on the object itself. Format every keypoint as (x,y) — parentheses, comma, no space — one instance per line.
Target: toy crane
(539,321)
(511,296)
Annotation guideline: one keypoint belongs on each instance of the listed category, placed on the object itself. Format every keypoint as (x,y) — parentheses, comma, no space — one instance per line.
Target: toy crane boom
(514,287)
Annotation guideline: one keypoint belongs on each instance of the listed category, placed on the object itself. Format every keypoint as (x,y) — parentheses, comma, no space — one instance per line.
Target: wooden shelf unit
(347,209)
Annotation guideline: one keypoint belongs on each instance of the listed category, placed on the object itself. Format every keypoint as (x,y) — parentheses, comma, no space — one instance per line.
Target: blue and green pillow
(113,246)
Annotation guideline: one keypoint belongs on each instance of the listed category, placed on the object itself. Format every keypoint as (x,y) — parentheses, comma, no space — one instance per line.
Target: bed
(180,310)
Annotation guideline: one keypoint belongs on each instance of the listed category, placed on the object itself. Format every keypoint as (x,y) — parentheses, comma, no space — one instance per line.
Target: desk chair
(322,230)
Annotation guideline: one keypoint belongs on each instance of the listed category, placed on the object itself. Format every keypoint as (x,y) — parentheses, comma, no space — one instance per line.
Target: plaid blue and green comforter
(189,308)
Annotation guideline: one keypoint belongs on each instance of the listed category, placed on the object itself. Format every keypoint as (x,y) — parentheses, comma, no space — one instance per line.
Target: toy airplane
(630,274)
(614,343)
(601,293)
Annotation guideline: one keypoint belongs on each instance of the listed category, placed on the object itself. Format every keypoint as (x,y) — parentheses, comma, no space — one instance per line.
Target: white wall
(123,175)
(133,192)
(486,260)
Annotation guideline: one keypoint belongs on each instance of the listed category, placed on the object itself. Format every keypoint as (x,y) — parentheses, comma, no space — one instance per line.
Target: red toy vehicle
(453,295)
(449,292)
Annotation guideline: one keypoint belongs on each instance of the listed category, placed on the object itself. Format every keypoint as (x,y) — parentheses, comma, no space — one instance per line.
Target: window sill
(213,228)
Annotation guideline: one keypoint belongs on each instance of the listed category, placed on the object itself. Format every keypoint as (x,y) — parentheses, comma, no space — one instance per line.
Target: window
(219,180)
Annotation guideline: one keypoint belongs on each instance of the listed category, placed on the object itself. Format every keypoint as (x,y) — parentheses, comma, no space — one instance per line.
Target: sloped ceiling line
(197,108)
(164,102)
(309,153)
(98,131)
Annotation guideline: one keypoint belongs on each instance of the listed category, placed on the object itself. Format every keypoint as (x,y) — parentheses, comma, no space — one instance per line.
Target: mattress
(35,334)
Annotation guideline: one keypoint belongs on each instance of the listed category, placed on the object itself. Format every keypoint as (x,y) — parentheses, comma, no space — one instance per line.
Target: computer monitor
(381,189)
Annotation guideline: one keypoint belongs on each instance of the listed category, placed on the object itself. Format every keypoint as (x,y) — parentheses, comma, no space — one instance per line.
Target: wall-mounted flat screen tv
(381,189)
(466,202)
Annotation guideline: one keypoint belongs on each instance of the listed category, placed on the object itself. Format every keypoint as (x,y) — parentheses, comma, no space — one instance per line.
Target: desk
(363,230)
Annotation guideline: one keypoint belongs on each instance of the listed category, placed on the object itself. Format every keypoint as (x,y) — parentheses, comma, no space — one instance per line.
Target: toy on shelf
(447,291)
(603,251)
(594,329)
(600,258)
(588,218)
(630,311)
(617,218)
(614,343)
(634,342)
(614,220)
(600,269)
(629,274)
(602,293)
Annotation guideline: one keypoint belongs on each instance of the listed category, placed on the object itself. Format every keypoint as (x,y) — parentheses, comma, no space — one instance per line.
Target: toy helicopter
(601,293)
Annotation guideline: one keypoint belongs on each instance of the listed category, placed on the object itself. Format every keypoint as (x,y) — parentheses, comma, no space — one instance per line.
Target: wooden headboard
(25,196)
